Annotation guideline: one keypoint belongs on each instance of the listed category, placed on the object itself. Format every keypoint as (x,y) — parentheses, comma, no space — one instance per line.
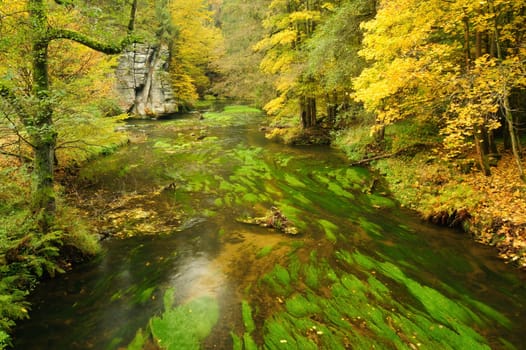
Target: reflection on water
(192,179)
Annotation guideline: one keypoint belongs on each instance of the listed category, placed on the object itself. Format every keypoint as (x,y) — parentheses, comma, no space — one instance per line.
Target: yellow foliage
(419,65)
(303,16)
(285,37)
(198,43)
(275,105)
(277,62)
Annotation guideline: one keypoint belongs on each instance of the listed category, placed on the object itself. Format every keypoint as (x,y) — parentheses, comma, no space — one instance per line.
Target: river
(181,269)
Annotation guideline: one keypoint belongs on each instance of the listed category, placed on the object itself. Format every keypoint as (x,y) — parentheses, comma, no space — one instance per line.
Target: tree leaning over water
(33,104)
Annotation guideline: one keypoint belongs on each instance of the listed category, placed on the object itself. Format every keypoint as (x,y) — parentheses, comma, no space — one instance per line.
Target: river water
(182,270)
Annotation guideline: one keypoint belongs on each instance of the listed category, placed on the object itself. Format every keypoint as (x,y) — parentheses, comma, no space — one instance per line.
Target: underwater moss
(249,343)
(278,280)
(293,181)
(184,326)
(312,276)
(241,109)
(237,342)
(381,201)
(371,228)
(299,306)
(138,341)
(264,252)
(248,321)
(330,230)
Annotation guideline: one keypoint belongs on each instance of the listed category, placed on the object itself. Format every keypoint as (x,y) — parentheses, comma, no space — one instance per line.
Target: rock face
(142,81)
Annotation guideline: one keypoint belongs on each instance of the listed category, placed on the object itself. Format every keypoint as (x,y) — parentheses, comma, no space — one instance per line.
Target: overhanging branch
(110,49)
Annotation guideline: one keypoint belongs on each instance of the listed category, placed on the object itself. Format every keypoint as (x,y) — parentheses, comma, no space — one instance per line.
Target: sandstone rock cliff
(142,81)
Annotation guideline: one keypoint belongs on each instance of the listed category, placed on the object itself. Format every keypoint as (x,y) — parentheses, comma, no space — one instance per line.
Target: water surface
(361,274)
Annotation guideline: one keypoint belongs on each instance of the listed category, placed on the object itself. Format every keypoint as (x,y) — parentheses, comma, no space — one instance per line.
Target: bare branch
(9,95)
(17,132)
(19,156)
(84,143)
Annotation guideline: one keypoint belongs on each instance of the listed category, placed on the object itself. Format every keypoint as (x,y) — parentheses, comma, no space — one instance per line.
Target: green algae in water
(248,321)
(241,109)
(351,178)
(184,326)
(381,201)
(333,186)
(445,311)
(294,267)
(299,306)
(138,342)
(162,144)
(293,181)
(249,343)
(312,275)
(278,280)
(237,342)
(362,313)
(264,252)
(371,228)
(144,295)
(330,230)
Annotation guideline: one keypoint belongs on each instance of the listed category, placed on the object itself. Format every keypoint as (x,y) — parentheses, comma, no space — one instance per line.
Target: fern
(12,306)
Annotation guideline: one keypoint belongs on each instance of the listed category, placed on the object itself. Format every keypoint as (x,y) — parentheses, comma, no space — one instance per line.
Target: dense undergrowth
(27,255)
(456,194)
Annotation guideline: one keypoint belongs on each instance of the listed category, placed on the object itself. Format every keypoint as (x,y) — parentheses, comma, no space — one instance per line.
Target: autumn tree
(195,45)
(455,63)
(289,24)
(37,24)
(333,55)
(241,26)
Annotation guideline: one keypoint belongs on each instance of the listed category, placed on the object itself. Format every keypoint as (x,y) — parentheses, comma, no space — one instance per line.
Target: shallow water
(361,274)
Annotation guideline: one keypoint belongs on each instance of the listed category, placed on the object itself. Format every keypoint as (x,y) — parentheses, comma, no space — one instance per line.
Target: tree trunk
(481,148)
(40,125)
(308,112)
(514,137)
(515,142)
(42,132)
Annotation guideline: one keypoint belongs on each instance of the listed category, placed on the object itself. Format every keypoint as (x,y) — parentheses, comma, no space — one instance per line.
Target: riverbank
(492,209)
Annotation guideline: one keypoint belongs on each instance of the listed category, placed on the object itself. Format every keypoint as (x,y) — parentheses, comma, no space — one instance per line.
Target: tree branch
(19,156)
(133,15)
(65,2)
(86,144)
(110,49)
(9,95)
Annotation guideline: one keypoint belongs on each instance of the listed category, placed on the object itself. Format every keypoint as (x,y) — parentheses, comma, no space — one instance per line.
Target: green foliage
(27,254)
